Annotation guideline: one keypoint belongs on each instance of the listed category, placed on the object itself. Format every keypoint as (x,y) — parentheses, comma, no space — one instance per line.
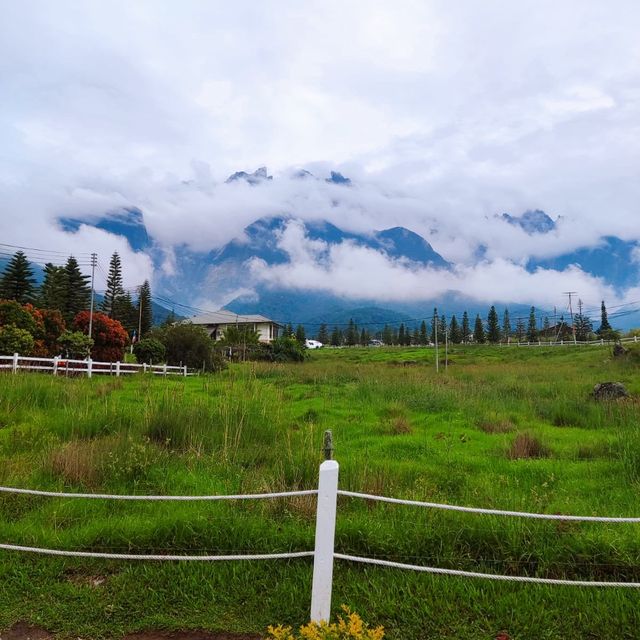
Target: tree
(336,337)
(149,350)
(605,327)
(301,335)
(53,327)
(401,337)
(434,326)
(532,330)
(15,340)
(454,331)
(323,334)
(364,337)
(387,334)
(53,291)
(423,333)
(127,313)
(239,335)
(415,338)
(351,338)
(466,327)
(442,328)
(144,301)
(114,289)
(478,331)
(17,281)
(493,326)
(583,327)
(78,293)
(520,330)
(75,344)
(109,336)
(287,350)
(12,313)
(506,326)
(190,345)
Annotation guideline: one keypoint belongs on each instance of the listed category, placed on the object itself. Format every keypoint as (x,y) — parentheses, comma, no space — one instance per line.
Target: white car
(313,344)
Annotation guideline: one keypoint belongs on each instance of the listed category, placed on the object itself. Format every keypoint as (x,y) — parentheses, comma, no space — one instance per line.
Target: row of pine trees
(66,289)
(494,330)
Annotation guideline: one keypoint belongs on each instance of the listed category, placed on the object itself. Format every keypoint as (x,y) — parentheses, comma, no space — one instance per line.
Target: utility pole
(94,261)
(435,332)
(573,326)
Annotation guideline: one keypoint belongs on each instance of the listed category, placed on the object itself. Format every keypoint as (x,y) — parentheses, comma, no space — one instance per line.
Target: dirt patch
(24,631)
(190,635)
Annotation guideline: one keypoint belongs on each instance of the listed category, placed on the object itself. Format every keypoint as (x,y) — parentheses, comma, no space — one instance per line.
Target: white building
(216,323)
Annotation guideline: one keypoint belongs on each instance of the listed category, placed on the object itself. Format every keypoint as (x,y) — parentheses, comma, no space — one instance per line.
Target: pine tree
(454,331)
(401,337)
(364,338)
(434,324)
(415,339)
(546,325)
(352,334)
(146,319)
(387,335)
(478,331)
(336,337)
(127,313)
(532,330)
(323,334)
(520,330)
(423,333)
(53,291)
(442,327)
(493,326)
(78,294)
(17,281)
(506,326)
(114,289)
(301,334)
(466,328)
(288,331)
(583,327)
(605,327)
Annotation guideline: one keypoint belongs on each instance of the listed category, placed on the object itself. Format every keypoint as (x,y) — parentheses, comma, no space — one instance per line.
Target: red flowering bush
(109,336)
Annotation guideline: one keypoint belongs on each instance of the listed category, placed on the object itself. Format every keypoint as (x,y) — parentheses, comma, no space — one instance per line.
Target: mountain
(531,221)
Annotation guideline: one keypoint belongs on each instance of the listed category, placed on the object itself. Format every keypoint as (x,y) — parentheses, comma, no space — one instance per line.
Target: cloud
(352,271)
(442,115)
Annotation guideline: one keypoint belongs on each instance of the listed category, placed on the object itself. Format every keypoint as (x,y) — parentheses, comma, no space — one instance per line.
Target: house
(217,322)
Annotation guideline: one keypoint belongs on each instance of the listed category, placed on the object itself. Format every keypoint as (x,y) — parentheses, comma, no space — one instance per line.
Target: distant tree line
(491,329)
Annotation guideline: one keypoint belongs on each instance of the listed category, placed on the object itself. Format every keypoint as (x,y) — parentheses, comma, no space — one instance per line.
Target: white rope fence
(116,496)
(493,512)
(486,576)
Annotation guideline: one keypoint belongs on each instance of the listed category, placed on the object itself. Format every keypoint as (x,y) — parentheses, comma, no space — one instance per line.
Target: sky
(444,115)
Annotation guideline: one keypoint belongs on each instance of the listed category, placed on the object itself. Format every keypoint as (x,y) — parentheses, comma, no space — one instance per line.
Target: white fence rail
(324,553)
(67,366)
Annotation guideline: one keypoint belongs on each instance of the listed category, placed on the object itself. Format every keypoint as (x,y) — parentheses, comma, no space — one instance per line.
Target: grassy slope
(399,429)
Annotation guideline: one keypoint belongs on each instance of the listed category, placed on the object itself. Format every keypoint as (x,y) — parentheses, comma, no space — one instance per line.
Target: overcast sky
(443,115)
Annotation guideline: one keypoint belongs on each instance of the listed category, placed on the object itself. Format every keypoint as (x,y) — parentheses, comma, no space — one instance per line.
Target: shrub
(13,313)
(350,627)
(74,344)
(109,336)
(287,350)
(15,340)
(188,344)
(149,350)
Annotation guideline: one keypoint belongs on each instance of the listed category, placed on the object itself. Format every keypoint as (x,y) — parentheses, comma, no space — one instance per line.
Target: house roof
(228,317)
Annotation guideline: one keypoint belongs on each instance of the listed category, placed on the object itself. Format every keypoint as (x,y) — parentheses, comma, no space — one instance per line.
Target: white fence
(324,553)
(568,343)
(64,367)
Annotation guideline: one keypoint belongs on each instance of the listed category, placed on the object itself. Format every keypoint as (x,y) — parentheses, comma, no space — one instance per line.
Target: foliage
(478,331)
(53,290)
(75,345)
(187,344)
(109,336)
(78,293)
(493,326)
(301,335)
(144,301)
(287,350)
(53,327)
(240,335)
(532,330)
(114,289)
(18,315)
(350,627)
(15,340)
(17,281)
(323,334)
(149,350)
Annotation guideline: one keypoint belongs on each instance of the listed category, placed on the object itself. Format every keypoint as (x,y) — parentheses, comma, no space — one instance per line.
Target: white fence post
(185,371)
(89,363)
(55,365)
(164,370)
(325,535)
(144,367)
(14,364)
(118,369)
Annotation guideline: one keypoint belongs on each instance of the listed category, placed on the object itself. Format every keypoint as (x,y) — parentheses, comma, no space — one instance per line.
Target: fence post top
(329,465)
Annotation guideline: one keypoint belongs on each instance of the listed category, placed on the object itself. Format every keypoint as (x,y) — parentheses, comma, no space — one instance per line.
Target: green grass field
(511,428)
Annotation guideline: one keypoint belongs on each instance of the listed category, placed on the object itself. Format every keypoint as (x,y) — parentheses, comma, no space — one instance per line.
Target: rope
(137,556)
(108,496)
(486,576)
(494,512)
